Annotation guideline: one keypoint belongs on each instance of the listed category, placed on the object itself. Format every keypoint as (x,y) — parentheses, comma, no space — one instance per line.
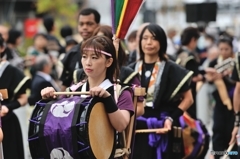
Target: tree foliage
(65,11)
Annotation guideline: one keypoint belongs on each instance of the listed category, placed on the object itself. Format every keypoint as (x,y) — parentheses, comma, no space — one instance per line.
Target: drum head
(101,132)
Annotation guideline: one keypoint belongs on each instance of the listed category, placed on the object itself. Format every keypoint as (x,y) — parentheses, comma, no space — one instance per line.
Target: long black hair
(1,41)
(160,35)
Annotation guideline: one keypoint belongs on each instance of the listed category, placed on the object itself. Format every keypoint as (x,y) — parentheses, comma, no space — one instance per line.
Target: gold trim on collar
(183,63)
(19,86)
(75,77)
(189,74)
(188,59)
(178,61)
(130,77)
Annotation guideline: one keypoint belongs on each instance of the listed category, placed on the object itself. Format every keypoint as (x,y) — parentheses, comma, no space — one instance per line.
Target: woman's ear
(109,62)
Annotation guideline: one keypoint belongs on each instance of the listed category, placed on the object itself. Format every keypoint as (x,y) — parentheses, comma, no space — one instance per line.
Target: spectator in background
(88,21)
(42,78)
(171,47)
(134,56)
(13,41)
(39,48)
(4,32)
(65,32)
(131,41)
(213,53)
(68,41)
(39,45)
(48,22)
(209,41)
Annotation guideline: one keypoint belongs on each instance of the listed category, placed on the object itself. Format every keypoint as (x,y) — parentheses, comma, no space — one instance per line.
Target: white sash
(105,85)
(3,66)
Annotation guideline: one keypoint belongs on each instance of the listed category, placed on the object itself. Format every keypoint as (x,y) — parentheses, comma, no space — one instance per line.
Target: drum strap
(122,151)
(41,130)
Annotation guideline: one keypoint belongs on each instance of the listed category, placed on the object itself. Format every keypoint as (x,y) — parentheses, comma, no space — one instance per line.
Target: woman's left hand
(100,92)
(168,124)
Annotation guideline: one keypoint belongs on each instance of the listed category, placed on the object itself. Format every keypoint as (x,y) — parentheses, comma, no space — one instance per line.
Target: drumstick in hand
(71,93)
(160,131)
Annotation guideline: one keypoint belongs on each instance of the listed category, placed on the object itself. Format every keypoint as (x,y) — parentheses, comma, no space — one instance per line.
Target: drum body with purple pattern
(70,128)
(195,137)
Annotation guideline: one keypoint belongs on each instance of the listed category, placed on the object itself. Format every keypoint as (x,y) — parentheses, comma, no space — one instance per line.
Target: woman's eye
(94,57)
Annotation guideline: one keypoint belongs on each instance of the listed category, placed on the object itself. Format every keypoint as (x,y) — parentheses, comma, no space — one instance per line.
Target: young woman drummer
(127,76)
(99,64)
(168,96)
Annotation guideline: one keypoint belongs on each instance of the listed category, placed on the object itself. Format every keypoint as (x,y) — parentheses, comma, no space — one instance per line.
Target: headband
(103,52)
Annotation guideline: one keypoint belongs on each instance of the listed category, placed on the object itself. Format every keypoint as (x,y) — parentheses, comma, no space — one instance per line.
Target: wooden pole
(137,92)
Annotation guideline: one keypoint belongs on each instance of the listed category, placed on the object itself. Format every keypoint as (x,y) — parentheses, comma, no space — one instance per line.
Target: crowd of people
(172,74)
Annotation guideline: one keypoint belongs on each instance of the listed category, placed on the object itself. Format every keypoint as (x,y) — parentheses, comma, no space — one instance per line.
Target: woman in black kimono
(187,57)
(12,79)
(168,96)
(223,95)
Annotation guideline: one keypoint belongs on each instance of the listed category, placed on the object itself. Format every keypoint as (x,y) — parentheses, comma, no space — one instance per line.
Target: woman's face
(94,65)
(225,50)
(19,41)
(150,45)
(40,42)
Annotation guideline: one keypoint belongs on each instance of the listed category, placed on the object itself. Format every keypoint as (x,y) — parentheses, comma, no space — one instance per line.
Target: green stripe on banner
(118,11)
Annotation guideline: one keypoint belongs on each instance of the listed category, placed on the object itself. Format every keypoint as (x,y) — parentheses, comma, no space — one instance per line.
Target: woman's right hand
(234,135)
(212,74)
(4,110)
(48,92)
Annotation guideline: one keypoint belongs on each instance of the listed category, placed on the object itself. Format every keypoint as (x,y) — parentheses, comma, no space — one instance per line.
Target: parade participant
(16,83)
(127,76)
(100,64)
(187,58)
(88,21)
(223,95)
(236,103)
(168,96)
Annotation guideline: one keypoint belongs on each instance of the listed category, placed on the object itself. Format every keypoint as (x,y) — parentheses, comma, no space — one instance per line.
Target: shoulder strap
(183,59)
(122,150)
(130,77)
(75,80)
